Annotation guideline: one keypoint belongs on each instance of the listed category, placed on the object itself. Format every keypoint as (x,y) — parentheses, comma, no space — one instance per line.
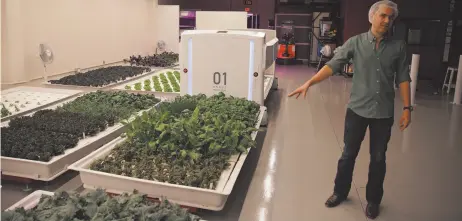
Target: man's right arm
(343,55)
(335,65)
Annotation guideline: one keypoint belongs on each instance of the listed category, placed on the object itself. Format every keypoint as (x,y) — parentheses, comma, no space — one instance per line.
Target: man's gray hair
(375,7)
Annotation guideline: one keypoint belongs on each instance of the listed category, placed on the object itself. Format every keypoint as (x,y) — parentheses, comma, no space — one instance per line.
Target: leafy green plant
(172,79)
(128,87)
(188,141)
(98,206)
(156,82)
(164,59)
(138,86)
(165,83)
(147,82)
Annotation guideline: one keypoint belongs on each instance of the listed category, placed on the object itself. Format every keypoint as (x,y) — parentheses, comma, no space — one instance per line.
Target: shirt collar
(371,37)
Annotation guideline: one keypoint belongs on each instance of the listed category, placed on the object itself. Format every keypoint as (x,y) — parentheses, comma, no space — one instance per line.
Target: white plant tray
(30,201)
(268,84)
(153,69)
(47,171)
(150,77)
(184,195)
(28,99)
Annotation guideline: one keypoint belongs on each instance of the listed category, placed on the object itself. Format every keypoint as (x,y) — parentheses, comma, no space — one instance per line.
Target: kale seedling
(138,86)
(147,87)
(5,112)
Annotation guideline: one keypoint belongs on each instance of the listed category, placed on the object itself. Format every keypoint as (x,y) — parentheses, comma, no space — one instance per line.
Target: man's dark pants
(355,129)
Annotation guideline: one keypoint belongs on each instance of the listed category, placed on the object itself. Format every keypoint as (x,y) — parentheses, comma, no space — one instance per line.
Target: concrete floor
(290,174)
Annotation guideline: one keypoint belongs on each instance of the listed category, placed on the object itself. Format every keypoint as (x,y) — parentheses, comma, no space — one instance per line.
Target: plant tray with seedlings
(190,151)
(102,77)
(94,205)
(164,59)
(22,100)
(160,81)
(41,145)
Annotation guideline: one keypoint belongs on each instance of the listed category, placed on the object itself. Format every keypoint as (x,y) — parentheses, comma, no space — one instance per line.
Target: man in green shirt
(379,63)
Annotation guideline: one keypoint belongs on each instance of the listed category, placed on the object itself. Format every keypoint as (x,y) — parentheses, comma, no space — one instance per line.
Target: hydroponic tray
(268,84)
(30,201)
(130,85)
(153,69)
(184,195)
(47,171)
(22,100)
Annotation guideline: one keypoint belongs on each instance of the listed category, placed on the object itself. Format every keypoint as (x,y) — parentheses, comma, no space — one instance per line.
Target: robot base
(264,121)
(275,84)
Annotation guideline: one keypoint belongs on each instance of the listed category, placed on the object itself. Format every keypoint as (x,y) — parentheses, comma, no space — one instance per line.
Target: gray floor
(297,164)
(290,174)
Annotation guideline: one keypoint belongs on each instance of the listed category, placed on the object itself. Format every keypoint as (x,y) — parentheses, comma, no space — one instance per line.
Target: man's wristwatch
(410,108)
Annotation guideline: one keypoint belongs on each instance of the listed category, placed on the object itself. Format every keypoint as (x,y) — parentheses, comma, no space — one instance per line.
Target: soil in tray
(161,82)
(48,133)
(188,141)
(102,76)
(98,205)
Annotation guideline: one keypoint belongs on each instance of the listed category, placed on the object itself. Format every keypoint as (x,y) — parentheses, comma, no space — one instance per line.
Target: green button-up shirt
(375,72)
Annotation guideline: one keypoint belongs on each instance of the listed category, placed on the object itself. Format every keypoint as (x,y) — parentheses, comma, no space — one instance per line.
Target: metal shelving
(302,29)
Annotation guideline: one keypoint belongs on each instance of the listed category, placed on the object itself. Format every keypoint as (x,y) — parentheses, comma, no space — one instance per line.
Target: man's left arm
(403,79)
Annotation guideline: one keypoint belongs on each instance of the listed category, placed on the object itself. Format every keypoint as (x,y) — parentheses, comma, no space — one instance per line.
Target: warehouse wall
(167,22)
(265,8)
(213,20)
(82,33)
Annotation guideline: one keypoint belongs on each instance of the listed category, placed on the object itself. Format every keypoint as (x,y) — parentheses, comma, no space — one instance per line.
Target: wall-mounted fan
(46,54)
(161,47)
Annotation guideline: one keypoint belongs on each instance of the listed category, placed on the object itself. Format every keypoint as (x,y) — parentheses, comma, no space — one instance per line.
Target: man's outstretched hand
(405,120)
(302,89)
